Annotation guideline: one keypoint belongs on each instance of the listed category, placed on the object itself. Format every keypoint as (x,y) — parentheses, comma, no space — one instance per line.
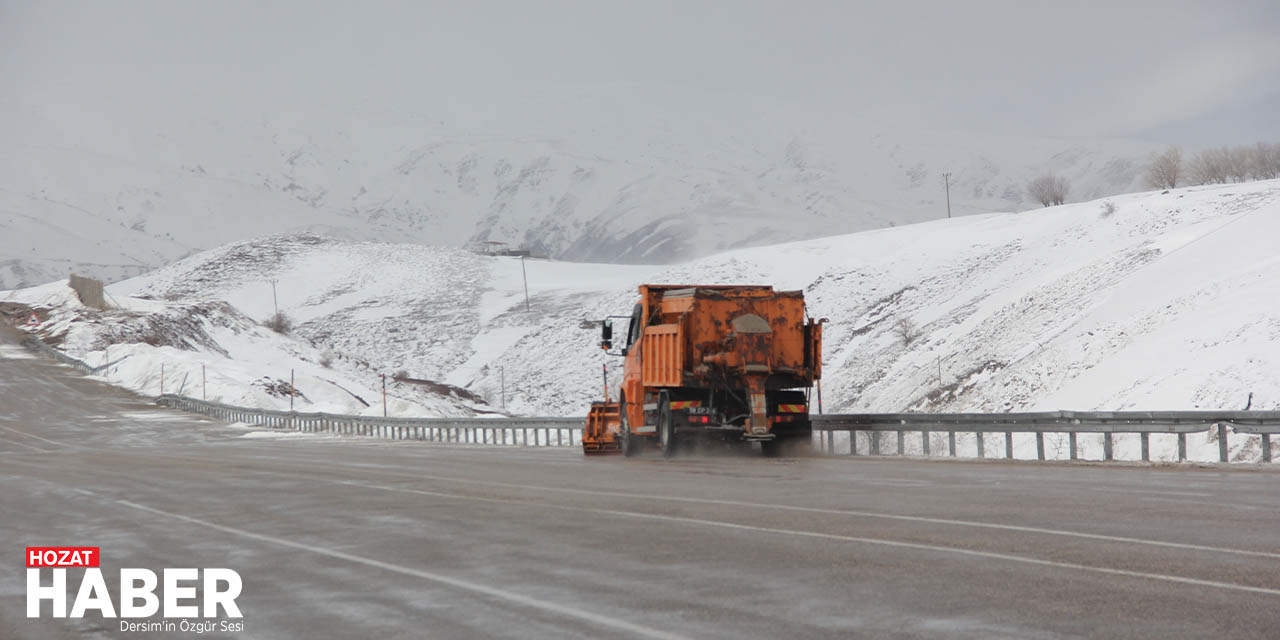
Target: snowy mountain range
(606,187)
(1155,301)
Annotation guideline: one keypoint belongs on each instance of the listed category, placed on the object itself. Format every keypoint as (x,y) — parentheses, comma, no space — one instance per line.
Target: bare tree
(1165,169)
(279,323)
(1265,161)
(906,331)
(1209,167)
(1235,164)
(1049,189)
(1238,163)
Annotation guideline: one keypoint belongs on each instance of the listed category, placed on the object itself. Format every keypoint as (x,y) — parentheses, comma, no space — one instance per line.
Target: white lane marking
(32,435)
(847,512)
(1194,494)
(834,536)
(585,616)
(15,352)
(23,444)
(1215,503)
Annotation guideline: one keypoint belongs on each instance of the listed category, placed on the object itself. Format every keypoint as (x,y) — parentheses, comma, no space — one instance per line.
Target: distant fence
(534,432)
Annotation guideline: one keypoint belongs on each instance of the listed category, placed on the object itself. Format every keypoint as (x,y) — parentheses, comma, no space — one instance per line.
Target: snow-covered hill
(1155,301)
(623,188)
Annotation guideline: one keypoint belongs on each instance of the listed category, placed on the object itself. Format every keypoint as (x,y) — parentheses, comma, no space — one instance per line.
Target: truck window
(633,328)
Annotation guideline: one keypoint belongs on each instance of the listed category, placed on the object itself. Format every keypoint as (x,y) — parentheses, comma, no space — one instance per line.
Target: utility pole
(384,395)
(275,305)
(525,275)
(502,382)
(204,385)
(946,181)
(291,392)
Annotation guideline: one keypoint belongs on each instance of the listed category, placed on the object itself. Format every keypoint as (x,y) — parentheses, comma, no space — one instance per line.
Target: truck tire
(666,426)
(630,443)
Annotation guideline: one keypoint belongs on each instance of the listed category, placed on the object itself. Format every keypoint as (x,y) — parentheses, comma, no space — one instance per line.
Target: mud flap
(759,425)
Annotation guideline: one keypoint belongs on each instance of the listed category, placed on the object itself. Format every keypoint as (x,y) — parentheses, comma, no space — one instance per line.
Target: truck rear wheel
(666,426)
(630,443)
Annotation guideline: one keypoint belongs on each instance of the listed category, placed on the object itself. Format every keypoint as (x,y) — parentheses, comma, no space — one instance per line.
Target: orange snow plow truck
(729,363)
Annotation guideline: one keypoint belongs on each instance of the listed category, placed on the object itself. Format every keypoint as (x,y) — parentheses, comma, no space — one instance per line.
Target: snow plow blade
(600,435)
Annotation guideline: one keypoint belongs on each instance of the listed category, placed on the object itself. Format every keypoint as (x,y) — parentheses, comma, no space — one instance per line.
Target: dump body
(736,361)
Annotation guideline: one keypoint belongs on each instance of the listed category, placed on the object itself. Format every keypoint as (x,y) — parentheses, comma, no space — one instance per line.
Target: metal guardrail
(537,432)
(568,431)
(1108,423)
(36,344)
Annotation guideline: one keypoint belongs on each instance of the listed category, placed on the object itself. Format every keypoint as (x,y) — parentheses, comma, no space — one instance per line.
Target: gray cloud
(1145,68)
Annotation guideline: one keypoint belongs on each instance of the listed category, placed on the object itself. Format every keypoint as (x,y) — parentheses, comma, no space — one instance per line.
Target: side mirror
(606,334)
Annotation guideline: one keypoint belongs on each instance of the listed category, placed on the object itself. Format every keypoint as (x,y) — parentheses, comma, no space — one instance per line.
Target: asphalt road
(356,538)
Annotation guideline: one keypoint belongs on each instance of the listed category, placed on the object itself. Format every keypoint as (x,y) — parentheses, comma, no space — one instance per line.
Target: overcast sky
(1188,72)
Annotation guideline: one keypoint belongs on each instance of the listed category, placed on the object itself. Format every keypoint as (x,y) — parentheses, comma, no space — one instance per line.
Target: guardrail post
(1266,447)
(951,443)
(1075,449)
(1108,452)
(1040,445)
(924,443)
(1146,446)
(1222,442)
(1008,444)
(980,438)
(1182,447)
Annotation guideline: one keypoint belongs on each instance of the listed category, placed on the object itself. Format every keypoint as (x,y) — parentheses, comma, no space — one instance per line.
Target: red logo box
(62,556)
